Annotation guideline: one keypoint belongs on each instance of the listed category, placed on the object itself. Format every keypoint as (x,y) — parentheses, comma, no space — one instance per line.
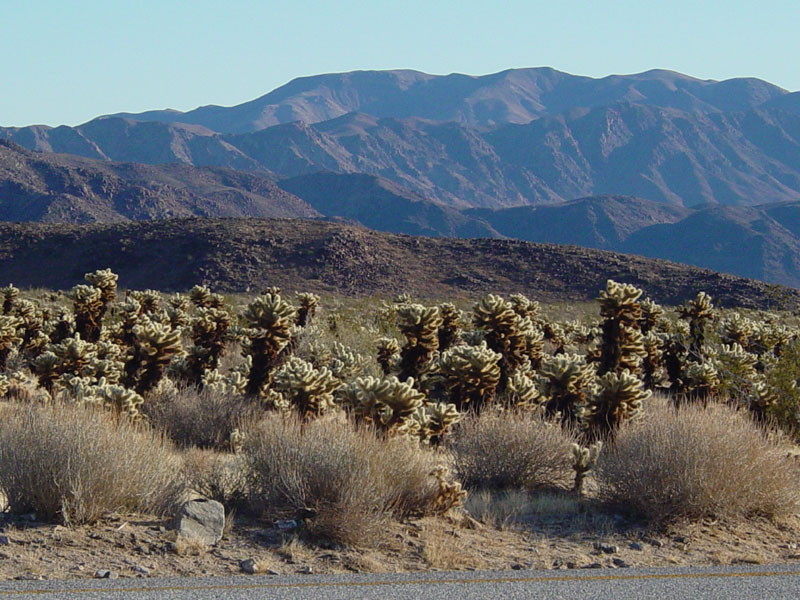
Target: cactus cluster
(412,371)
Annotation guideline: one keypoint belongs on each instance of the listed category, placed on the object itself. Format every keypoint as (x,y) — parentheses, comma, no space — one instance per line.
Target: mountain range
(658,163)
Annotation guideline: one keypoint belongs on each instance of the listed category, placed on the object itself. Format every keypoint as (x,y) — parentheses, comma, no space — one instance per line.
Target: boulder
(202,520)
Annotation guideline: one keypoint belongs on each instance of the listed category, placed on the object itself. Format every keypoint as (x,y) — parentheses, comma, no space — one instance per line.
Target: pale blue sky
(66,61)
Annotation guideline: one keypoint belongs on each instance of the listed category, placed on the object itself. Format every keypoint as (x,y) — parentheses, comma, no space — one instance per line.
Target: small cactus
(583,459)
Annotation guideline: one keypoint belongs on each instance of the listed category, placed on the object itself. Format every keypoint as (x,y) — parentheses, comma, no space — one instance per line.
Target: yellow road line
(336,584)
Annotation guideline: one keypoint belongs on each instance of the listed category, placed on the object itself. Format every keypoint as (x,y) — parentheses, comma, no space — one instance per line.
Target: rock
(594,565)
(286,525)
(636,546)
(141,570)
(105,574)
(249,566)
(606,548)
(517,567)
(618,562)
(4,541)
(202,520)
(654,542)
(307,570)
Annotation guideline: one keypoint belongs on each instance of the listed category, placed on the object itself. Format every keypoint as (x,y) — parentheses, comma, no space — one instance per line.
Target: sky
(67,61)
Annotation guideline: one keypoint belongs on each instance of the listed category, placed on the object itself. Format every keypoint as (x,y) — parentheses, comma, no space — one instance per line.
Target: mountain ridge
(509,96)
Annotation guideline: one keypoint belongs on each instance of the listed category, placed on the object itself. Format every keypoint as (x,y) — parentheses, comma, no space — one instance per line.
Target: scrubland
(394,434)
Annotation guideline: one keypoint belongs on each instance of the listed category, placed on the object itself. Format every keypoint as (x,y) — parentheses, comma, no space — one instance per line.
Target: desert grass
(697,462)
(76,464)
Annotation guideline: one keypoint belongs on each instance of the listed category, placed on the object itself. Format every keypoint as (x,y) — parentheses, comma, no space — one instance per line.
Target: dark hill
(241,254)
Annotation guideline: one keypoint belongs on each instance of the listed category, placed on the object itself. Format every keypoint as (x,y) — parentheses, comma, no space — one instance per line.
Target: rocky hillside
(241,254)
(68,189)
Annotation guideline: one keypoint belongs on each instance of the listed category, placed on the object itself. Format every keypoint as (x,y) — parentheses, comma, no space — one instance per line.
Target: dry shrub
(216,476)
(199,418)
(511,450)
(76,464)
(347,480)
(697,462)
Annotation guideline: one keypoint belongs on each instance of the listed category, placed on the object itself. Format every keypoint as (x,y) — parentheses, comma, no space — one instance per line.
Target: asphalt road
(761,582)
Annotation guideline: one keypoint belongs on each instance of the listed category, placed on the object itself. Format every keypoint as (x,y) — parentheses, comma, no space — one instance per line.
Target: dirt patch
(135,546)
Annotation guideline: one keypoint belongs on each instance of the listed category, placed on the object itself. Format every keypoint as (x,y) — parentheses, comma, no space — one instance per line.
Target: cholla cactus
(345,363)
(149,300)
(698,312)
(106,282)
(208,330)
(566,383)
(420,325)
(309,390)
(653,365)
(772,337)
(450,327)
(470,375)
(622,344)
(308,307)
(155,346)
(120,399)
(46,367)
(449,495)
(525,307)
(88,306)
(701,380)
(31,323)
(388,354)
(523,390)
(389,404)
(505,332)
(583,459)
(435,420)
(534,342)
(270,320)
(737,329)
(619,398)
(9,295)
(762,398)
(75,356)
(554,333)
(652,314)
(8,337)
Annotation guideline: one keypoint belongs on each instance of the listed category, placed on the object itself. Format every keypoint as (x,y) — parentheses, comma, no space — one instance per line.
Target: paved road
(761,582)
